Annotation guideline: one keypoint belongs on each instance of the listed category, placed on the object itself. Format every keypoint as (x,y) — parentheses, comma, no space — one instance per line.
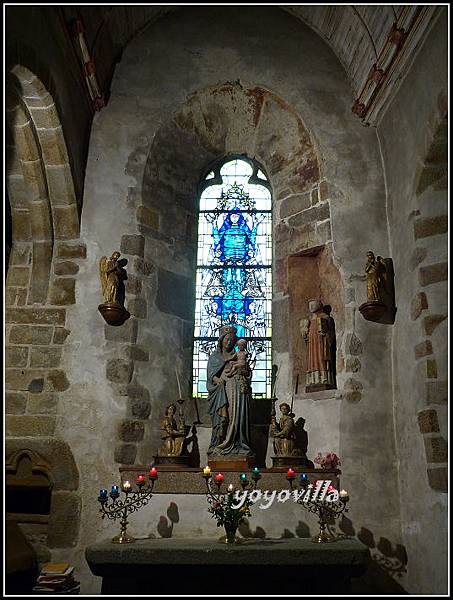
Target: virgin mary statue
(229,399)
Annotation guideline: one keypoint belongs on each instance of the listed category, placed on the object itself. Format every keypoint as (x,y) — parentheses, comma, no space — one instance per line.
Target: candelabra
(221,503)
(324,501)
(120,509)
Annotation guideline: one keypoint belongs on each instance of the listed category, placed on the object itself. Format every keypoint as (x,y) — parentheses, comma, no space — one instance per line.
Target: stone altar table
(171,566)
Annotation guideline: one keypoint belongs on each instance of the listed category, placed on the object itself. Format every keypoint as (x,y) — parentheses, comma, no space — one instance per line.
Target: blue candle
(304,476)
(243,477)
(255,471)
(115,490)
(103,493)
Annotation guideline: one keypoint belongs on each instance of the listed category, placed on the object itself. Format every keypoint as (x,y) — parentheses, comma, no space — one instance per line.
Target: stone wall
(413,138)
(221,89)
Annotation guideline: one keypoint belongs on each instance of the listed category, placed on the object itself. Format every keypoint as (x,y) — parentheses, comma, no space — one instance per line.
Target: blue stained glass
(234,279)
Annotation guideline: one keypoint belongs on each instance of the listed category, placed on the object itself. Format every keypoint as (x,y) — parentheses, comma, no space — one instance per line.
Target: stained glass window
(234,270)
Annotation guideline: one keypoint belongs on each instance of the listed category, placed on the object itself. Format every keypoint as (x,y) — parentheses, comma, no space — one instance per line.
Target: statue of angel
(112,275)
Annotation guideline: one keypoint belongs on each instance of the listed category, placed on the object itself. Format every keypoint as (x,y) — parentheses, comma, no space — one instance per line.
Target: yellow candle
(230,487)
(206,471)
(126,486)
(343,494)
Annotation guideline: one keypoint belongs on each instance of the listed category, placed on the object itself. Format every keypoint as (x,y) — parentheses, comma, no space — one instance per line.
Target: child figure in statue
(241,364)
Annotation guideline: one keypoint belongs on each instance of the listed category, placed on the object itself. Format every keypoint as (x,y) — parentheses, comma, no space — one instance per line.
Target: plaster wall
(405,135)
(180,55)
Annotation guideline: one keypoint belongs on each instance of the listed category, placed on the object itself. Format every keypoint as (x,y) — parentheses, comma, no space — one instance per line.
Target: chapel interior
(330,123)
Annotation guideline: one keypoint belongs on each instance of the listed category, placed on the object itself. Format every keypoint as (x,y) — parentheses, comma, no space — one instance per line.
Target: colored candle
(207,471)
(243,477)
(219,478)
(115,490)
(140,479)
(304,476)
(103,493)
(153,473)
(291,472)
(255,471)
(330,488)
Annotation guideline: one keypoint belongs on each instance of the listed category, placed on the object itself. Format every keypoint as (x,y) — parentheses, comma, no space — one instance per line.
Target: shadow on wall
(165,526)
(387,563)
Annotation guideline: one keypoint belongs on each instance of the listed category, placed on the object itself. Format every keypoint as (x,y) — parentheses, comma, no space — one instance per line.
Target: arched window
(234,267)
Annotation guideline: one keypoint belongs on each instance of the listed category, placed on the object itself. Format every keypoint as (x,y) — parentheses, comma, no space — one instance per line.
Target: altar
(172,566)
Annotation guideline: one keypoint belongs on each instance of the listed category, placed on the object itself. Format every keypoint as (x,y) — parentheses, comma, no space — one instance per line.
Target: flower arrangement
(328,462)
(222,509)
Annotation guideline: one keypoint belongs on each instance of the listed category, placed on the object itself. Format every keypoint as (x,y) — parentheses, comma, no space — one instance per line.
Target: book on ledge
(56,578)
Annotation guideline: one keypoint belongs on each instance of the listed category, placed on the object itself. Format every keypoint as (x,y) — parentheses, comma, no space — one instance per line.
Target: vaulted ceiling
(375,43)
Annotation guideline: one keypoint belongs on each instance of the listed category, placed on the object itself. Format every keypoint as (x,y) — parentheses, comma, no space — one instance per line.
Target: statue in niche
(318,332)
(113,274)
(290,440)
(229,392)
(376,273)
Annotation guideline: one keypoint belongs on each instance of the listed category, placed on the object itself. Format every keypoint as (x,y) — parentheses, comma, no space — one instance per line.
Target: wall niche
(312,275)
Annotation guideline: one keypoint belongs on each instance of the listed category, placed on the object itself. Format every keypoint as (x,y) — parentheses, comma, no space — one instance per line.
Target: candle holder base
(123,538)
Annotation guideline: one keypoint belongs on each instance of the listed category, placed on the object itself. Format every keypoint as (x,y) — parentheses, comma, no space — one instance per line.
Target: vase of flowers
(329,462)
(222,508)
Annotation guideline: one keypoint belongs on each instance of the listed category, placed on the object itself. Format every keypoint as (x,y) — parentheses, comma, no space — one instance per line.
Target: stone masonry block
(431,322)
(436,449)
(139,409)
(20,379)
(131,431)
(133,244)
(66,222)
(119,371)
(60,335)
(65,268)
(64,522)
(125,333)
(436,392)
(427,421)
(26,334)
(148,217)
(26,425)
(15,403)
(417,257)
(16,356)
(66,250)
(419,303)
(323,191)
(125,454)
(425,348)
(37,316)
(433,273)
(353,344)
(430,226)
(57,381)
(42,404)
(133,285)
(62,291)
(438,479)
(143,267)
(137,307)
(45,357)
(294,204)
(18,276)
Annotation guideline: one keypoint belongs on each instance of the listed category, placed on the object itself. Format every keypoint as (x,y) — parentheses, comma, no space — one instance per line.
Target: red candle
(140,479)
(153,473)
(330,488)
(291,472)
(219,478)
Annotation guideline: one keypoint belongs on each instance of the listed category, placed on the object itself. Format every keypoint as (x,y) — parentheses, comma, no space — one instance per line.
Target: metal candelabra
(120,509)
(327,509)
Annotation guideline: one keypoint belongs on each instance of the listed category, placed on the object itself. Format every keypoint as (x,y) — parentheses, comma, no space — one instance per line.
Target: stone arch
(232,119)
(52,459)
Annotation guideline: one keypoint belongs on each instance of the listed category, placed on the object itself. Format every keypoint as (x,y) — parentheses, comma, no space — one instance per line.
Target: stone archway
(219,121)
